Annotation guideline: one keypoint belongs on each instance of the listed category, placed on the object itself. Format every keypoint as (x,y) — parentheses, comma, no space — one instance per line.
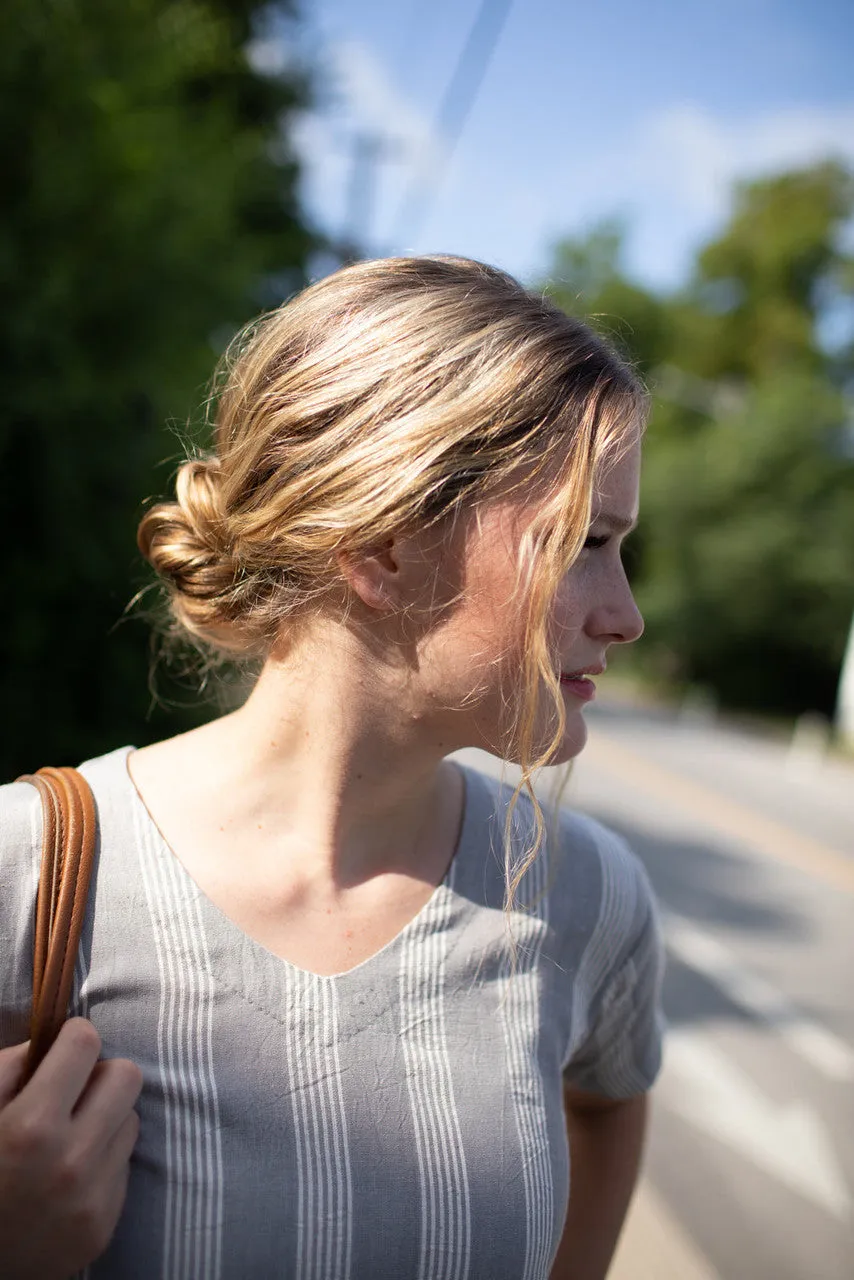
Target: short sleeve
(621,1055)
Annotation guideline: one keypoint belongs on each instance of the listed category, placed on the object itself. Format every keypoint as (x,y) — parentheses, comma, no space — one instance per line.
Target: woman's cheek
(569,604)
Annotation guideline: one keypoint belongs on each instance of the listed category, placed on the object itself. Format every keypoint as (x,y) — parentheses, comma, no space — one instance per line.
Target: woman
(365,990)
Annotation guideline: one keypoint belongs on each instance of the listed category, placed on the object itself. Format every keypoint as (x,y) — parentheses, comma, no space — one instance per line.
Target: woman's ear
(397,574)
(373,574)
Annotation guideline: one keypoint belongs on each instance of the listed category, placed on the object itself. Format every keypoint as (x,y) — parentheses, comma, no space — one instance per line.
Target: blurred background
(682,175)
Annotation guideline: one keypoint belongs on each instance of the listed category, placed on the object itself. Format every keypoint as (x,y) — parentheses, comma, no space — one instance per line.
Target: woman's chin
(571,745)
(574,739)
(574,742)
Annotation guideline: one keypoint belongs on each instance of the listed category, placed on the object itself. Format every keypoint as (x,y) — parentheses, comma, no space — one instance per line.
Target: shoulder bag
(68,852)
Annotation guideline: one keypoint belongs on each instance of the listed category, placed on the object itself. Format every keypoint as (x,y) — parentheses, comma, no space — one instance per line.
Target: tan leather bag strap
(68,852)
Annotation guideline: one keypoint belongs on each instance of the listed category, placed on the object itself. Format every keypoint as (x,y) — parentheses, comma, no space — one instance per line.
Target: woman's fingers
(107,1100)
(120,1147)
(63,1073)
(66,1140)
(12,1062)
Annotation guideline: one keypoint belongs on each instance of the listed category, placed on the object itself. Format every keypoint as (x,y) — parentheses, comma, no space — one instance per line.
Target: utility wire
(369,148)
(457,101)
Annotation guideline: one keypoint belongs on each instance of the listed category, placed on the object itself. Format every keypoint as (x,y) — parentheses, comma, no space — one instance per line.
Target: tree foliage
(149,209)
(745,563)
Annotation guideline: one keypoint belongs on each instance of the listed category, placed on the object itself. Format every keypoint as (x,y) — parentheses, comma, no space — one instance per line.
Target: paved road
(750,1166)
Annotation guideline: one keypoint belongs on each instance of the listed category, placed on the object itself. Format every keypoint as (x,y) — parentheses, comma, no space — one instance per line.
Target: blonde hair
(390,396)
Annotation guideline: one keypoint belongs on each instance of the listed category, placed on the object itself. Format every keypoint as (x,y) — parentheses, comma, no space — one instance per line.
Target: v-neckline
(236,938)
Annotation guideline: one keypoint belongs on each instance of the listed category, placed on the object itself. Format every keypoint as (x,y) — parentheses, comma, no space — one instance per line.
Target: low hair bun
(197,489)
(186,543)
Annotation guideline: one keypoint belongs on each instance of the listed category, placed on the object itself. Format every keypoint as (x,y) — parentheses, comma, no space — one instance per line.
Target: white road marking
(812,1042)
(654,1245)
(788,1142)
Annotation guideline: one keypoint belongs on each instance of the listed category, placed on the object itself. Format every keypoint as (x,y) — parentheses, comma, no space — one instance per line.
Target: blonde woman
(341,999)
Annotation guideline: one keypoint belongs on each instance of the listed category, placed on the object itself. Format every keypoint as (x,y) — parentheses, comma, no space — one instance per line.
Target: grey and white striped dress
(400,1120)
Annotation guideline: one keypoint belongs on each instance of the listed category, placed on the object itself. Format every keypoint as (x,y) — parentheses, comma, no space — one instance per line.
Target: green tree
(748,537)
(150,208)
(587,278)
(770,273)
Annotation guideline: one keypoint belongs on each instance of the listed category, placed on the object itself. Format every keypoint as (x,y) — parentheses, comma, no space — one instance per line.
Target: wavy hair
(393,395)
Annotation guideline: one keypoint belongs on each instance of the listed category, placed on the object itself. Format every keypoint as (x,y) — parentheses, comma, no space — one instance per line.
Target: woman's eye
(592,544)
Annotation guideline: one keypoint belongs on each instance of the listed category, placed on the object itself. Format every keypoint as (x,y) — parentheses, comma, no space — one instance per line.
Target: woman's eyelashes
(593,542)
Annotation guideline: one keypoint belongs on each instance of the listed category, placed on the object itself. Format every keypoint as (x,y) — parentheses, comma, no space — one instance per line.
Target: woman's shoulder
(587,875)
(110,768)
(20,824)
(20,864)
(589,848)
(579,848)
(21,806)
(597,875)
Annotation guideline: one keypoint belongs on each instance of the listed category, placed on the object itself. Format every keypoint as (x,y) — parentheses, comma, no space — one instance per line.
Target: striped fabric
(518,1004)
(324,1180)
(445,1220)
(400,1121)
(192,1227)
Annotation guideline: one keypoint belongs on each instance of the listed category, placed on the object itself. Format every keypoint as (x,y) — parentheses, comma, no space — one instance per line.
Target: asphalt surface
(749,1172)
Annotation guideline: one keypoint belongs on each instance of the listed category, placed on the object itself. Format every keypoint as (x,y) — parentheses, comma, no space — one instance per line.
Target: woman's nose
(618,618)
(632,626)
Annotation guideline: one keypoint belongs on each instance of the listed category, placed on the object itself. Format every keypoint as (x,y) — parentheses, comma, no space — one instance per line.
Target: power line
(368,149)
(457,101)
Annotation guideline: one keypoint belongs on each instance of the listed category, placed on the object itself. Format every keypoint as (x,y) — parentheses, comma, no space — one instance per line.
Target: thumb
(12,1063)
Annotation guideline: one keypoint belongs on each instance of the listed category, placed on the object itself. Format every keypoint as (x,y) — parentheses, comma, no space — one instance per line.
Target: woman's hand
(65,1146)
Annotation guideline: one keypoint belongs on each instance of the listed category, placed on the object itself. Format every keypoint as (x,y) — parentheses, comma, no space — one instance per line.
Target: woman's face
(480,645)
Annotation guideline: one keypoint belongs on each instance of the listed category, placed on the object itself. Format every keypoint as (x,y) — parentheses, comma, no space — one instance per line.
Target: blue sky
(647,112)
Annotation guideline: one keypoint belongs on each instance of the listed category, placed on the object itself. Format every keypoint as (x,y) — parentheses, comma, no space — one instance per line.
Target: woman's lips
(580,686)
